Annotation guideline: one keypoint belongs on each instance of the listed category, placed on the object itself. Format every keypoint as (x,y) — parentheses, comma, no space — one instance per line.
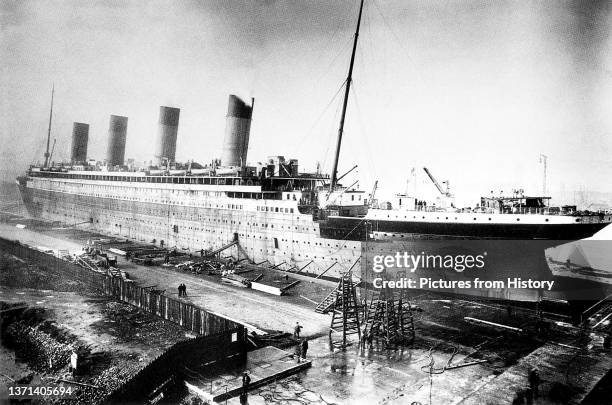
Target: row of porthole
(476,219)
(315,257)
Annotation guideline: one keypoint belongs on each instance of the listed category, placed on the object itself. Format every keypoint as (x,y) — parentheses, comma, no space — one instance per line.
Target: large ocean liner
(271,211)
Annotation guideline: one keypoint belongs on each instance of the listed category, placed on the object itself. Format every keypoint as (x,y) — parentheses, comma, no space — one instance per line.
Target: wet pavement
(418,373)
(374,376)
(263,366)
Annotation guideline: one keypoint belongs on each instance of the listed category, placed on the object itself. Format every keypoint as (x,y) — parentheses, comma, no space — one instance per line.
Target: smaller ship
(587,259)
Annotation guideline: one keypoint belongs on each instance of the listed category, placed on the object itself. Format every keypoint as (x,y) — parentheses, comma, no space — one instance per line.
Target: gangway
(221,249)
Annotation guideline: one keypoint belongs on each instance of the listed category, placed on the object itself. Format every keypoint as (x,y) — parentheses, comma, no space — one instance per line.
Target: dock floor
(571,371)
(263,365)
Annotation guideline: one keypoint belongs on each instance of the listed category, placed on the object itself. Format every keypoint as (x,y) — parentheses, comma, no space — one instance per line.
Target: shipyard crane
(372,194)
(438,186)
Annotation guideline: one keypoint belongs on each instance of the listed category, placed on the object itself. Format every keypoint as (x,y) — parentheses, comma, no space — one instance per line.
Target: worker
(298,352)
(73,363)
(201,252)
(304,345)
(534,381)
(180,290)
(297,330)
(184,290)
(246,380)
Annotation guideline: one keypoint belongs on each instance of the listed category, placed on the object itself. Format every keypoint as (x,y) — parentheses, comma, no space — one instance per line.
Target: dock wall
(187,315)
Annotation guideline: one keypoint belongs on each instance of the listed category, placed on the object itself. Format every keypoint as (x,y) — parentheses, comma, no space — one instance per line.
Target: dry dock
(450,362)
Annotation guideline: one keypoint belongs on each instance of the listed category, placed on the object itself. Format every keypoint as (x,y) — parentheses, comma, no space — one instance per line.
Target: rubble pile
(42,350)
(105,384)
(47,348)
(15,272)
(128,323)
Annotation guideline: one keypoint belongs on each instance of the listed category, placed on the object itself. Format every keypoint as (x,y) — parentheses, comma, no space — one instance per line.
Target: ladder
(345,316)
(405,319)
(328,302)
(324,306)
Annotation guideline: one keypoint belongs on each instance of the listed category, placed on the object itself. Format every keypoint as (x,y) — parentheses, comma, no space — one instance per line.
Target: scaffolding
(345,316)
(389,317)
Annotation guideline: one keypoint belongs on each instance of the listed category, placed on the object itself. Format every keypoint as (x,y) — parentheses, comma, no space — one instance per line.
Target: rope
(347,235)
(306,136)
(431,369)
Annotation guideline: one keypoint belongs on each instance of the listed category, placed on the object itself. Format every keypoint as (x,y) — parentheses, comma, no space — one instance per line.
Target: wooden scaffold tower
(389,317)
(345,317)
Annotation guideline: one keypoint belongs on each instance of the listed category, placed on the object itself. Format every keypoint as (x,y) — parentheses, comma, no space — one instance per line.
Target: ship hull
(289,241)
(355,228)
(294,241)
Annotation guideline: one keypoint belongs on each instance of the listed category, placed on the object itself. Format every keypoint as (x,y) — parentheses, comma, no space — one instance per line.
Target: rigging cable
(307,134)
(330,139)
(363,137)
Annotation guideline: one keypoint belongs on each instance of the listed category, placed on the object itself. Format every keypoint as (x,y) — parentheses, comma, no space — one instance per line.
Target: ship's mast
(47,154)
(349,78)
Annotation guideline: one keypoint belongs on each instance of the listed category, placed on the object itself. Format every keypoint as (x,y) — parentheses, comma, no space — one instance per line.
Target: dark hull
(355,229)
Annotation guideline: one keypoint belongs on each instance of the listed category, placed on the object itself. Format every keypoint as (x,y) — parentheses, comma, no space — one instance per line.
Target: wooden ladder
(345,316)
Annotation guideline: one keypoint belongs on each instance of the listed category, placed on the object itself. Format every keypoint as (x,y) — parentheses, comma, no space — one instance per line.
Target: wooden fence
(185,314)
(208,352)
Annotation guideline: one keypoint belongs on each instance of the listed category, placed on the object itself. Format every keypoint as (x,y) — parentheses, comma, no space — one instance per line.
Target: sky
(474,90)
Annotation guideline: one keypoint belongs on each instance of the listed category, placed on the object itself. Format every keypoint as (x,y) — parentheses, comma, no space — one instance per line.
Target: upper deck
(302,182)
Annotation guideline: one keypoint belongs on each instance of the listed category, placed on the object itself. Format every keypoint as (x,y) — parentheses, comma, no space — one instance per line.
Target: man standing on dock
(304,345)
(246,380)
(534,381)
(297,330)
(298,352)
(182,289)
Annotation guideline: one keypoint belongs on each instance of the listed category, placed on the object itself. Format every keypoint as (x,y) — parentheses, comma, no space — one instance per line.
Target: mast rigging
(349,78)
(47,154)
